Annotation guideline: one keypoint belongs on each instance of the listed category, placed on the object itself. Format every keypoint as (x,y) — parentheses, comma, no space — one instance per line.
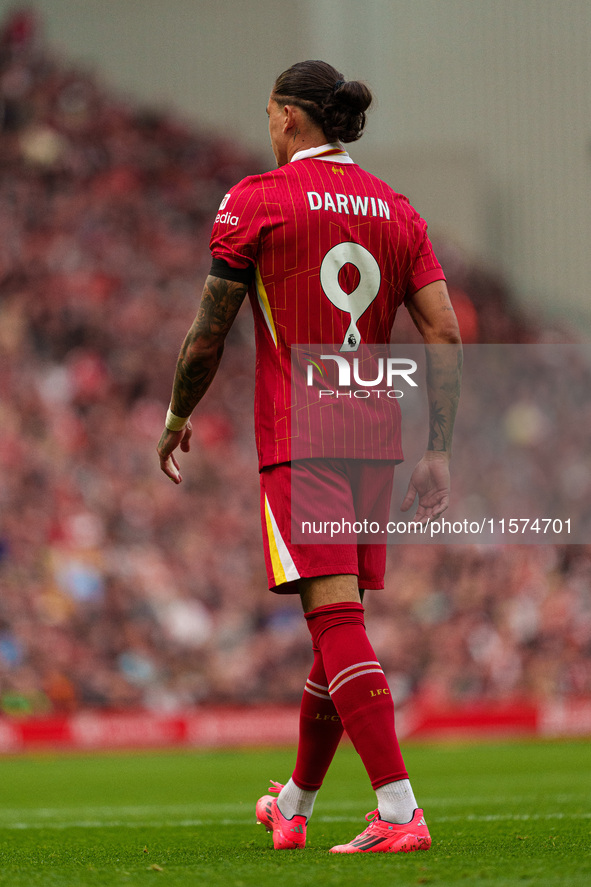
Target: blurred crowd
(118,589)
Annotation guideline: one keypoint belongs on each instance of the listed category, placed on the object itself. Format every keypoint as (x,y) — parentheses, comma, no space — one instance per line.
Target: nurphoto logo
(385,372)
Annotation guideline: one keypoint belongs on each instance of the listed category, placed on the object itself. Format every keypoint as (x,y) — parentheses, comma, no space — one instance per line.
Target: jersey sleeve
(425,269)
(237,227)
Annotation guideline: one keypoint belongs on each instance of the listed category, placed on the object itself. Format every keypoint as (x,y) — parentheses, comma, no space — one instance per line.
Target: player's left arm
(198,360)
(432,313)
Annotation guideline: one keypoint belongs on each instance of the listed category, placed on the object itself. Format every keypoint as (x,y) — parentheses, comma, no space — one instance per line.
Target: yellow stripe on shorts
(284,569)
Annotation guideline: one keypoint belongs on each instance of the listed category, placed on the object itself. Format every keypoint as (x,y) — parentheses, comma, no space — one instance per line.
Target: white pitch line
(203,812)
(194,823)
(199,809)
(111,810)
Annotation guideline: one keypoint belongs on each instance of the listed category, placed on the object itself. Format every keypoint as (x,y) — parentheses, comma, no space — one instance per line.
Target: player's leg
(320,731)
(371,485)
(356,681)
(360,692)
(320,727)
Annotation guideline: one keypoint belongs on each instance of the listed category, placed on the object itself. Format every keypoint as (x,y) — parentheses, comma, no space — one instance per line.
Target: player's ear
(290,119)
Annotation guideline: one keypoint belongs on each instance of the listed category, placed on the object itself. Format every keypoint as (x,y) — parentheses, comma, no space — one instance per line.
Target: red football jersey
(335,251)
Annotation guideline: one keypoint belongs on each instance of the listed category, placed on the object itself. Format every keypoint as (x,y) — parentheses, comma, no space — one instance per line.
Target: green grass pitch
(512,813)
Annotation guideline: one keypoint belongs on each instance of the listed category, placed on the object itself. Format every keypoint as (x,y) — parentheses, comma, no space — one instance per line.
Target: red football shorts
(325,517)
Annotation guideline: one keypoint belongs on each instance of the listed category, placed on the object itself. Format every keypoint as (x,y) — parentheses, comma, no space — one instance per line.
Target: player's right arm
(198,361)
(432,313)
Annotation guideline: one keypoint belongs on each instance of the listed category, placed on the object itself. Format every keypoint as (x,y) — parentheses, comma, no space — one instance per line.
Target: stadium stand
(119,591)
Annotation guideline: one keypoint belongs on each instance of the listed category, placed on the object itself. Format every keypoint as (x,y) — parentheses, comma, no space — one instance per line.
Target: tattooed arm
(434,317)
(198,361)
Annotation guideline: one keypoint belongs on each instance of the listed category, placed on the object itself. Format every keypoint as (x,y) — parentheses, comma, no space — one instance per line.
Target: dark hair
(337,105)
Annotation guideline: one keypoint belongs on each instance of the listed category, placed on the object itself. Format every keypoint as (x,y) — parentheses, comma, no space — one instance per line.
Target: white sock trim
(295,801)
(396,801)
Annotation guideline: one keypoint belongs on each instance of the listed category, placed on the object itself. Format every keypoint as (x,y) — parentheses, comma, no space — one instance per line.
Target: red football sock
(320,729)
(358,688)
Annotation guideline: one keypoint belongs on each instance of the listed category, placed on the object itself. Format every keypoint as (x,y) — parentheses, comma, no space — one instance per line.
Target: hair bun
(337,105)
(344,111)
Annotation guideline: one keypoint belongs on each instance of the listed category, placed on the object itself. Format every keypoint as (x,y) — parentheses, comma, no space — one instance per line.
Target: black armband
(220,268)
